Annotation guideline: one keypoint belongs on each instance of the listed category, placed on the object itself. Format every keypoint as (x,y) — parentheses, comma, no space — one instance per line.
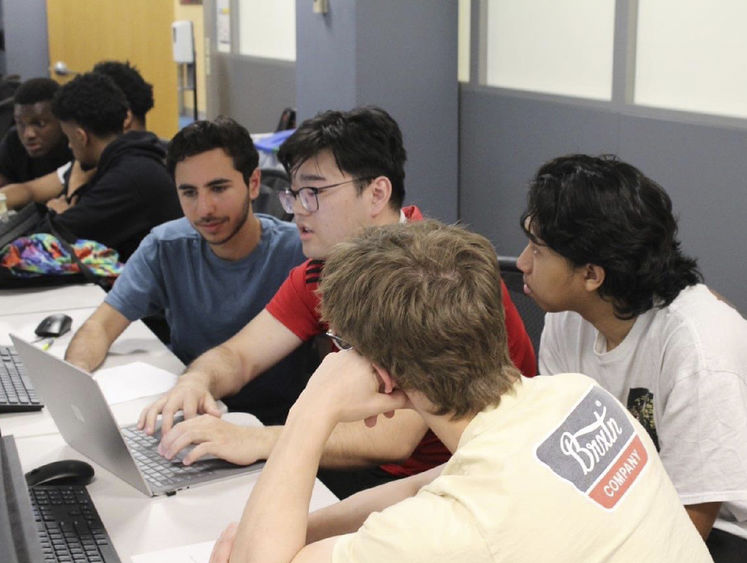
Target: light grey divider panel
(504,138)
(704,170)
(252,90)
(402,56)
(26,48)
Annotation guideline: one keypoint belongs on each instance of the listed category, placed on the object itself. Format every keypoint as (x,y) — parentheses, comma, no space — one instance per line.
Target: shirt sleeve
(140,290)
(425,528)
(519,344)
(702,434)
(296,304)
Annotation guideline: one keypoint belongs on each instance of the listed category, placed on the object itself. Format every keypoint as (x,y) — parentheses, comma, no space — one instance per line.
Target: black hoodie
(130,193)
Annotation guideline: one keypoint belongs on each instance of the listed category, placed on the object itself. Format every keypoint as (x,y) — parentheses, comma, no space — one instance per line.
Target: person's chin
(36,152)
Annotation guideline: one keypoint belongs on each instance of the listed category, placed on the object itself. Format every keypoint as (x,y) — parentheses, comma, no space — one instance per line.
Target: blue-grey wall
(402,56)
(25,27)
(505,137)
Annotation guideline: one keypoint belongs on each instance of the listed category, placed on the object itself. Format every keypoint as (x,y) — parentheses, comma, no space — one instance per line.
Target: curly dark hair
(138,92)
(223,133)
(94,102)
(35,90)
(366,142)
(602,211)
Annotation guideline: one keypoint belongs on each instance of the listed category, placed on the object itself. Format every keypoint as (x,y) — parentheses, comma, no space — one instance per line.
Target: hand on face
(347,387)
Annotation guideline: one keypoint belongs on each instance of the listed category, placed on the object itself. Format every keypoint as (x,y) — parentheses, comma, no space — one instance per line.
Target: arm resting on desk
(703,516)
(89,346)
(39,190)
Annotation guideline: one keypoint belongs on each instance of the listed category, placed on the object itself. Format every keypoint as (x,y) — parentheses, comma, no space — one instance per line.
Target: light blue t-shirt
(207,299)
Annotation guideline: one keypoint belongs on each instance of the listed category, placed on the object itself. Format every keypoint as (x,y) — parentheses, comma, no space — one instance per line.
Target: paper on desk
(132,381)
(196,553)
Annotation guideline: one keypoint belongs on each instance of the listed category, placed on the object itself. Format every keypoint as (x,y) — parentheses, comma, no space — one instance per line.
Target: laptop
(84,419)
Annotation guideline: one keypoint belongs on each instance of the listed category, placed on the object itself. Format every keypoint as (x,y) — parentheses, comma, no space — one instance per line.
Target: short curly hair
(94,102)
(423,300)
(35,90)
(602,211)
(138,92)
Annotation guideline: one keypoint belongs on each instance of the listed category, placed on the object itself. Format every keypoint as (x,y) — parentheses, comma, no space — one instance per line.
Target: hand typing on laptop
(190,395)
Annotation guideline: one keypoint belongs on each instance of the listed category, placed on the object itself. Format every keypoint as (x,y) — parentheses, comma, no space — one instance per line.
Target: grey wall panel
(504,138)
(325,58)
(26,47)
(402,56)
(254,91)
(411,70)
(704,170)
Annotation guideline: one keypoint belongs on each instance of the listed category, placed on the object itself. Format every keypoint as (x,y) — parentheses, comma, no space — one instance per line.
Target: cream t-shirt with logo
(560,471)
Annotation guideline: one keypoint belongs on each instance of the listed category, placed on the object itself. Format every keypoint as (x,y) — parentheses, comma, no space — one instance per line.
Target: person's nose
(524,261)
(205,204)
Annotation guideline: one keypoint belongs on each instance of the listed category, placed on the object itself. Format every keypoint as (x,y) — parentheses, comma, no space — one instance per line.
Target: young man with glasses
(543,469)
(347,173)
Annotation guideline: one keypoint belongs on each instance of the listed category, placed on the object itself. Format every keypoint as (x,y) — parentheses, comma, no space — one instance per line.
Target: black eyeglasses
(307,195)
(339,342)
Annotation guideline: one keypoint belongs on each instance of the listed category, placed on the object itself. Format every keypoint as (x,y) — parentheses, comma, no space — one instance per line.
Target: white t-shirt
(559,471)
(682,371)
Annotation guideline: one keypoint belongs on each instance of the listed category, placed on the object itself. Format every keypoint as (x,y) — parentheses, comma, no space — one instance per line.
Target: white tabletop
(50,300)
(137,343)
(139,524)
(136,523)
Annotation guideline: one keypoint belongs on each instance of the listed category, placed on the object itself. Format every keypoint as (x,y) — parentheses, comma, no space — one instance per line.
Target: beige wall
(84,32)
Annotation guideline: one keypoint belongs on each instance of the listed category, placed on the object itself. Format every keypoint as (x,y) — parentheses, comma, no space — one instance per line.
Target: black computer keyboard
(16,392)
(69,525)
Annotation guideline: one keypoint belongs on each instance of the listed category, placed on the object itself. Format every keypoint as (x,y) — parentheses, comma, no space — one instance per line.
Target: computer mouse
(63,472)
(54,325)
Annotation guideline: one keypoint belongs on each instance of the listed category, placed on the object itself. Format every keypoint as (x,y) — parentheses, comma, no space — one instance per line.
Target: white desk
(136,523)
(50,300)
(137,343)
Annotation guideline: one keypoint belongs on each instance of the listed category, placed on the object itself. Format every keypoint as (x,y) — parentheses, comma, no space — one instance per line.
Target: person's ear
(386,379)
(255,180)
(82,136)
(593,277)
(127,125)
(380,192)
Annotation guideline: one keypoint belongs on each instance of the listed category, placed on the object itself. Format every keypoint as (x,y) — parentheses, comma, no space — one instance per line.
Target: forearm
(17,195)
(89,346)
(703,516)
(273,526)
(354,445)
(348,516)
(220,370)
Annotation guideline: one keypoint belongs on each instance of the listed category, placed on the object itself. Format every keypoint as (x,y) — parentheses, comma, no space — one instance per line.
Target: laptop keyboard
(16,392)
(69,526)
(157,469)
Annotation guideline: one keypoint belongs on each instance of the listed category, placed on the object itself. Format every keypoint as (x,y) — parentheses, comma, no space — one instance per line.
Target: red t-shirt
(296,305)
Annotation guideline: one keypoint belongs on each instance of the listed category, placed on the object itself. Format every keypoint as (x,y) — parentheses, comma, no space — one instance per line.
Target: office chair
(531,314)
(273,181)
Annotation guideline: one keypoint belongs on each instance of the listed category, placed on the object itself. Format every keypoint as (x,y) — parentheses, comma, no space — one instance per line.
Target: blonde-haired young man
(542,469)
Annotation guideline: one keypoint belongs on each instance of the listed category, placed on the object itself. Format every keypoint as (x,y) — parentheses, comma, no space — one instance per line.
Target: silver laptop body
(87,424)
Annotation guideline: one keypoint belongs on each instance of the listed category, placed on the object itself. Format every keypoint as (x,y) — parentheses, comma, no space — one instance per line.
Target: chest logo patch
(596,449)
